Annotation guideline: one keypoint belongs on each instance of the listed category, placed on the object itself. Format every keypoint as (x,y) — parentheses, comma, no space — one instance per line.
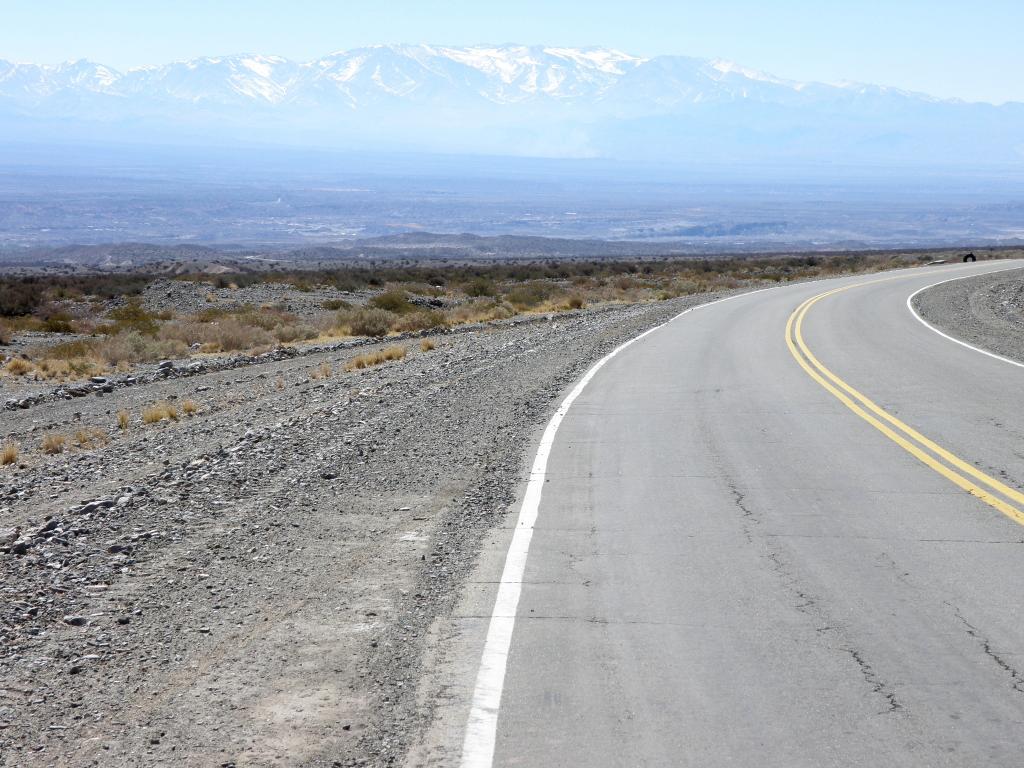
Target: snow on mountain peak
(597,79)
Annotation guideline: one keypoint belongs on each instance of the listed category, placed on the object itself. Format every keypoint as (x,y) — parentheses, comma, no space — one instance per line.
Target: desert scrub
(426,345)
(90,437)
(480,312)
(123,420)
(365,322)
(423,320)
(396,301)
(322,371)
(371,359)
(190,407)
(9,453)
(54,443)
(158,412)
(19,367)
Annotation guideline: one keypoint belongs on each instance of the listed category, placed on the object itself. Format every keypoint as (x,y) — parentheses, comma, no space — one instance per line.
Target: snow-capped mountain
(500,99)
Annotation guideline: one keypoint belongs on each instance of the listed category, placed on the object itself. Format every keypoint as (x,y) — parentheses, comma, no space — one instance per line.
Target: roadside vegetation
(94,325)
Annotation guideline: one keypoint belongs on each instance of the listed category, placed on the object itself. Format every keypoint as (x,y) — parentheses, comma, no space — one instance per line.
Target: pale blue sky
(973,50)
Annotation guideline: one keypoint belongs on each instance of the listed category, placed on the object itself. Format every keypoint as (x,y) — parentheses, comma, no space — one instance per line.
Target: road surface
(775,533)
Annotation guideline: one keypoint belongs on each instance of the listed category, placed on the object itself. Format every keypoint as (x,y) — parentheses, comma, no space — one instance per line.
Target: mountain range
(508,99)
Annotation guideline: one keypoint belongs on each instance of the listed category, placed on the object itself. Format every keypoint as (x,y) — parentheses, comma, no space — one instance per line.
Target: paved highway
(784,530)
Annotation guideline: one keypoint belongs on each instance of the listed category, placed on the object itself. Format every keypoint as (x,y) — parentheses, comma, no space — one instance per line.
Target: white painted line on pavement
(931,327)
(482,728)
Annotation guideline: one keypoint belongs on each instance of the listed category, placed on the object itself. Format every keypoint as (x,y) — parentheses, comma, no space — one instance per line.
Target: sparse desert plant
(335,304)
(54,443)
(325,370)
(18,367)
(88,437)
(9,453)
(289,333)
(189,407)
(123,419)
(481,286)
(370,359)
(365,322)
(158,412)
(422,320)
(279,383)
(576,302)
(426,345)
(393,301)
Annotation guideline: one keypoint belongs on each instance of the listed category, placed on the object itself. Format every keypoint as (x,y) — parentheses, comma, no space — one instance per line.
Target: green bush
(393,301)
(132,317)
(480,287)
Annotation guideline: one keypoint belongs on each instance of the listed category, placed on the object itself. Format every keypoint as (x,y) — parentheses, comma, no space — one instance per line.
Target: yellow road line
(874,415)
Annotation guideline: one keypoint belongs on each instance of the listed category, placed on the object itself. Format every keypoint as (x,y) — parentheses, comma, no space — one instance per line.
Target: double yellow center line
(1007,500)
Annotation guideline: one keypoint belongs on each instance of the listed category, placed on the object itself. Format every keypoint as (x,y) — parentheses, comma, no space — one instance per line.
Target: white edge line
(931,327)
(482,728)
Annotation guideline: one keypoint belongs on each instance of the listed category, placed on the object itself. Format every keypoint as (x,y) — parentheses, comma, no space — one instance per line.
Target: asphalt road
(731,566)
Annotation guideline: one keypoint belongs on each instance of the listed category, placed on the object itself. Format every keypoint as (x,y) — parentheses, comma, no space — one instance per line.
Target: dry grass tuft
(426,345)
(8,454)
(279,384)
(123,419)
(189,408)
(371,359)
(54,443)
(19,367)
(325,370)
(88,438)
(158,412)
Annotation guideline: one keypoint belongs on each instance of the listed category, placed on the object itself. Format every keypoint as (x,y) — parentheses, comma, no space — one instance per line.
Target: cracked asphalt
(730,568)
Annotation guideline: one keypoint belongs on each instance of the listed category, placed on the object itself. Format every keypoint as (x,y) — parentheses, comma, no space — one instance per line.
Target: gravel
(986,311)
(254,584)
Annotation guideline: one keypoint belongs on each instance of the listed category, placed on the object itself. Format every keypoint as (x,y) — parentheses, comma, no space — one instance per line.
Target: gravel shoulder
(255,584)
(986,311)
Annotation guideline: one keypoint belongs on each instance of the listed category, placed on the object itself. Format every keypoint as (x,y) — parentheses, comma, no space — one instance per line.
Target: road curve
(731,566)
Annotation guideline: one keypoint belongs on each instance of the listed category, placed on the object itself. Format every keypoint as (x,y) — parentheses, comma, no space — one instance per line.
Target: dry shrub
(365,322)
(426,345)
(133,347)
(9,453)
(5,335)
(423,320)
(232,335)
(576,302)
(123,419)
(190,407)
(289,333)
(89,437)
(371,359)
(54,443)
(75,368)
(216,331)
(531,294)
(19,367)
(393,301)
(480,312)
(158,412)
(279,383)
